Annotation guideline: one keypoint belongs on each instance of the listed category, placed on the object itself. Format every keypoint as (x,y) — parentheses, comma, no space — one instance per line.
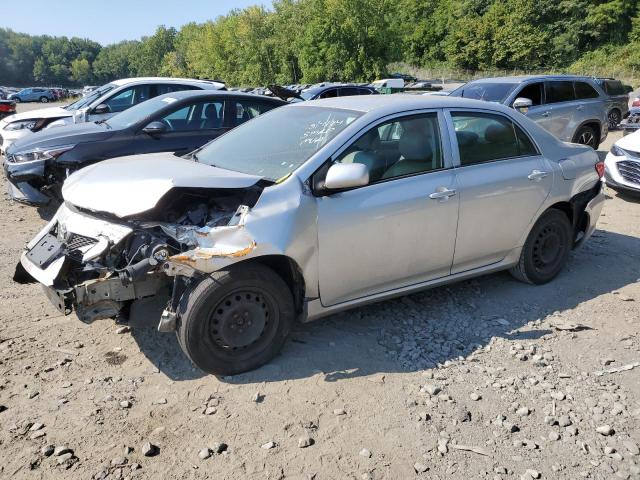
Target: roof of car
(399,102)
(189,94)
(524,78)
(127,81)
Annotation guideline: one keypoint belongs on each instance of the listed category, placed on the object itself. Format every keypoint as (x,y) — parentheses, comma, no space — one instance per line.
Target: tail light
(600,168)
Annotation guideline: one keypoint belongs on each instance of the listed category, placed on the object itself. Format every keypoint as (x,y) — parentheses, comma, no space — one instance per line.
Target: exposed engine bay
(102,266)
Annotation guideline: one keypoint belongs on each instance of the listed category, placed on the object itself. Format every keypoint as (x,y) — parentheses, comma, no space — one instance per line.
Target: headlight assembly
(38,154)
(21,125)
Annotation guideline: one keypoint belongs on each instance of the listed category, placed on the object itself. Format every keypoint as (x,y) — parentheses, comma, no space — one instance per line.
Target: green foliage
(355,40)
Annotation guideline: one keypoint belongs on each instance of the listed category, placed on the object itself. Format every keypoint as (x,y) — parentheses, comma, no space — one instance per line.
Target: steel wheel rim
(548,249)
(241,320)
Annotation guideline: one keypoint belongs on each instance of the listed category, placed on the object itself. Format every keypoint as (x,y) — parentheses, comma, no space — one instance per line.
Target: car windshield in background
(276,143)
(85,101)
(139,112)
(489,92)
(308,94)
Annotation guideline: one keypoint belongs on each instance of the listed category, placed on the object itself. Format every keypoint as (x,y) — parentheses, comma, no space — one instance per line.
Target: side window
(417,148)
(364,91)
(333,92)
(128,98)
(584,91)
(613,87)
(559,91)
(247,109)
(172,87)
(484,137)
(533,92)
(199,116)
(348,91)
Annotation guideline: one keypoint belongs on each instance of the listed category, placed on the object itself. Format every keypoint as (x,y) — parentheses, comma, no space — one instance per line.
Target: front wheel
(546,250)
(587,136)
(44,100)
(235,320)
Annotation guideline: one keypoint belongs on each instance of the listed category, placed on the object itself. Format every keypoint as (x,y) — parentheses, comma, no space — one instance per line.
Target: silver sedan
(312,209)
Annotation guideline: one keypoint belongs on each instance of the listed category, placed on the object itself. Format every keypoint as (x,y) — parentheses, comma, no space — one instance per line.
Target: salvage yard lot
(522,390)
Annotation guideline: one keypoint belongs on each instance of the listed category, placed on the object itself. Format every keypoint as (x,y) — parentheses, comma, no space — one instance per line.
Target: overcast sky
(109,21)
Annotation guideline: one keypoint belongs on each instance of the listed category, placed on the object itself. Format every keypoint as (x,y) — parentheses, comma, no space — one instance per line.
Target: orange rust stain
(200,255)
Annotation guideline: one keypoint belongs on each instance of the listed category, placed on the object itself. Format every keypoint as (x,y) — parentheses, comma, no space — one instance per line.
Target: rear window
(584,90)
(614,87)
(559,91)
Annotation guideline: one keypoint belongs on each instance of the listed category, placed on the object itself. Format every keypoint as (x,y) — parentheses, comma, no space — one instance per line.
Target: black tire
(587,136)
(235,320)
(44,100)
(614,117)
(546,250)
(17,100)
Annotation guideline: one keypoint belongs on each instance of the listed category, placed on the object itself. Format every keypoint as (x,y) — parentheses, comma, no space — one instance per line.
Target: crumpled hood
(134,184)
(630,142)
(50,112)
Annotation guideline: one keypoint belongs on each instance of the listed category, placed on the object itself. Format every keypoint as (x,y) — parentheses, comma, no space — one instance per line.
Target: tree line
(352,40)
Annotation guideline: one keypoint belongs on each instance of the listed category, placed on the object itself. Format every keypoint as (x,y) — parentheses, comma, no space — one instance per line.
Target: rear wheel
(235,320)
(587,136)
(546,250)
(44,100)
(614,117)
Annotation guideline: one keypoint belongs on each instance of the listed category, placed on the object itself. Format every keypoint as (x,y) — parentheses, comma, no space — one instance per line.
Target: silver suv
(572,108)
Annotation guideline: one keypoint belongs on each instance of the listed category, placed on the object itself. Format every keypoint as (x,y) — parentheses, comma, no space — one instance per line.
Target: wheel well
(289,271)
(615,109)
(574,210)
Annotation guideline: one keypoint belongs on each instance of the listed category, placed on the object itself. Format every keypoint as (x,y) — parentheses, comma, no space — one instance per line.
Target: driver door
(398,230)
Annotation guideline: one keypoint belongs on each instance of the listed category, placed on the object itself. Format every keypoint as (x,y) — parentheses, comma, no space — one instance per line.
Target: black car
(178,122)
(335,90)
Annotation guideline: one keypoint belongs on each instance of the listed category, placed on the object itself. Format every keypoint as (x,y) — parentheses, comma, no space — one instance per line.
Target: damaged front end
(102,266)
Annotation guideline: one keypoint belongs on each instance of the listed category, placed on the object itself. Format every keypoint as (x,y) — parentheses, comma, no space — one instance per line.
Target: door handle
(537,175)
(442,193)
(580,108)
(545,114)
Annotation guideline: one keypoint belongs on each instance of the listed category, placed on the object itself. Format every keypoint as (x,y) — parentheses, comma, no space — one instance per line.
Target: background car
(177,122)
(619,96)
(311,209)
(622,164)
(35,94)
(335,90)
(100,104)
(7,107)
(572,108)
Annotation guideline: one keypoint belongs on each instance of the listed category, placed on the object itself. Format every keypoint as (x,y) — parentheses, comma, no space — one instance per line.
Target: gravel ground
(487,378)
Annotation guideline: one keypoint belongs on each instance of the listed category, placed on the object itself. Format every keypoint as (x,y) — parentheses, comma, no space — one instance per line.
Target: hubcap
(239,320)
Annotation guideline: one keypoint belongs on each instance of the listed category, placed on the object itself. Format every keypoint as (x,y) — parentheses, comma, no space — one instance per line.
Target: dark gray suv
(572,108)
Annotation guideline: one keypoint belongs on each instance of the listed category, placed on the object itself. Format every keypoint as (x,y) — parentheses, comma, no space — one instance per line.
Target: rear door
(503,181)
(560,97)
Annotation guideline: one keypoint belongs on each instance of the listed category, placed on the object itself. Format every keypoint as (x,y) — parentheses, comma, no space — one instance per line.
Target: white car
(622,165)
(101,104)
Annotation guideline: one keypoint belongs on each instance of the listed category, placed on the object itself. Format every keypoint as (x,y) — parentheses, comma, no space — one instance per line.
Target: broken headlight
(39,154)
(28,124)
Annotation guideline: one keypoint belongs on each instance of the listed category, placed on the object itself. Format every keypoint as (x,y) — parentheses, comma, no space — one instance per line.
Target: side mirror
(522,104)
(102,108)
(346,175)
(155,128)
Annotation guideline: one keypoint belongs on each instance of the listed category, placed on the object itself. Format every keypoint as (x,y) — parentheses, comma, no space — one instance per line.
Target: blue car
(35,94)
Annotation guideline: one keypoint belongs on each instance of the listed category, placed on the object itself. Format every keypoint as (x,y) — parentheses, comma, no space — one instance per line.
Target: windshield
(139,112)
(85,101)
(490,92)
(276,143)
